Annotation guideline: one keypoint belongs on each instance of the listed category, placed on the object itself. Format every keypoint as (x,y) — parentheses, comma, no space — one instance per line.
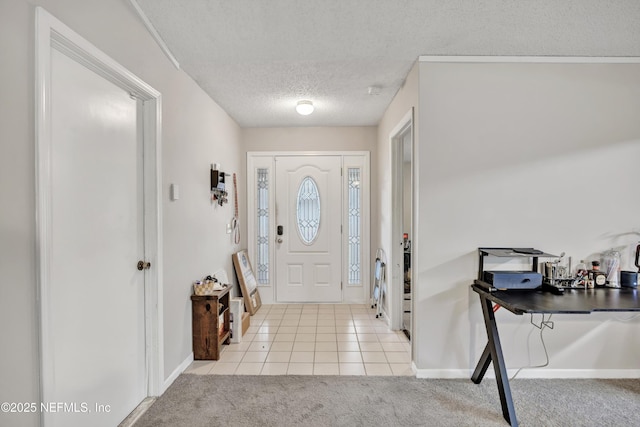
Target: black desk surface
(572,301)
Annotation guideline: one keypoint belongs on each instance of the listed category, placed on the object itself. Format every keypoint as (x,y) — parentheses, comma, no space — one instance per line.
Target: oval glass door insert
(308,212)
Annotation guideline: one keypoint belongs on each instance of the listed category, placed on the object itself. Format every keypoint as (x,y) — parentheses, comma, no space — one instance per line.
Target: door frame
(53,34)
(396,255)
(265,159)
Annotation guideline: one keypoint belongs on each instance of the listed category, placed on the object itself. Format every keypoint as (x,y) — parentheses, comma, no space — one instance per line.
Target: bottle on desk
(581,275)
(599,278)
(590,282)
(611,261)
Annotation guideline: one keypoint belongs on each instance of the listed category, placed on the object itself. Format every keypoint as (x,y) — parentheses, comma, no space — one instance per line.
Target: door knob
(143,265)
(279,240)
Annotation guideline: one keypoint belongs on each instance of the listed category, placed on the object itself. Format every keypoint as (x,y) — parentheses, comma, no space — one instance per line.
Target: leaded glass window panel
(263,226)
(354,215)
(308,210)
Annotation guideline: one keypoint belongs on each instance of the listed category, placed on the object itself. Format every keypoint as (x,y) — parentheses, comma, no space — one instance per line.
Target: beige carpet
(212,400)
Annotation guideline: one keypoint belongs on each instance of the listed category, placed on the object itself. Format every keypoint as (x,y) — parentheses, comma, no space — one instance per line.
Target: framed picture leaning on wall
(247,281)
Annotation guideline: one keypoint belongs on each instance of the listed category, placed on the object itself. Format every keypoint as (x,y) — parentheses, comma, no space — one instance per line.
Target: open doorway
(407,231)
(402,146)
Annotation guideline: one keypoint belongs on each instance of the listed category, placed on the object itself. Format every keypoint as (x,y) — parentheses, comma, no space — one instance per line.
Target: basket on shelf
(204,288)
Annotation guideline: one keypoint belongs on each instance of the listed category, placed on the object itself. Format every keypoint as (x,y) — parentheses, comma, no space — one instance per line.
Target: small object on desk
(528,251)
(494,280)
(599,279)
(513,279)
(628,279)
(612,267)
(550,281)
(596,277)
(581,275)
(556,289)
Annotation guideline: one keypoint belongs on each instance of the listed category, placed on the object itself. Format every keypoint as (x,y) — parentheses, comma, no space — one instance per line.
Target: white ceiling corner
(256,59)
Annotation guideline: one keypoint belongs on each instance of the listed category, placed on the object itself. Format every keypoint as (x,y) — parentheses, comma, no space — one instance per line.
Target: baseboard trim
(442,373)
(575,373)
(134,416)
(176,372)
(532,373)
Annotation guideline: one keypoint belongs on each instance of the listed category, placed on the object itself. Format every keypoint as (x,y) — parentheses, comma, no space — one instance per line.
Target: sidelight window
(354,216)
(263,226)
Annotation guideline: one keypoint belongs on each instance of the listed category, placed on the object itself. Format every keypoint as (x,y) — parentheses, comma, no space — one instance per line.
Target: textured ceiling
(257,58)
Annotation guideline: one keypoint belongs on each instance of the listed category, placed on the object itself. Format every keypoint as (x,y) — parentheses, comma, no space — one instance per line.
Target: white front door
(95,331)
(308,229)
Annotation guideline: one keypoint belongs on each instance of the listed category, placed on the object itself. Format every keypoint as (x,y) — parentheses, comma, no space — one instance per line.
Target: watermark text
(53,407)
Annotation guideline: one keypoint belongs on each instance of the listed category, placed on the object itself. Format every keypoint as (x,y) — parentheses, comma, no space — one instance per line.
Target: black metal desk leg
(493,352)
(483,365)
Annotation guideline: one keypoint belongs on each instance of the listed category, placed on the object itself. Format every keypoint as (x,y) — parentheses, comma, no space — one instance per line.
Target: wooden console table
(210,321)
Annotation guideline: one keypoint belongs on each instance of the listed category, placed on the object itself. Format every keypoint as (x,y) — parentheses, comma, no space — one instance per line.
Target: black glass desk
(573,301)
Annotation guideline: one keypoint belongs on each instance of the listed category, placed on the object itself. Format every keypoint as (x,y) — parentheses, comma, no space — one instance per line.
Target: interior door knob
(279,240)
(143,265)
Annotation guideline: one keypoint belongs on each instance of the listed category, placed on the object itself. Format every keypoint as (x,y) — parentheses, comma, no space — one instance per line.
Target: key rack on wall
(218,189)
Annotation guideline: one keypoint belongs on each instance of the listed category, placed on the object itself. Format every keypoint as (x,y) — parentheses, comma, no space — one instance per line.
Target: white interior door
(95,309)
(308,232)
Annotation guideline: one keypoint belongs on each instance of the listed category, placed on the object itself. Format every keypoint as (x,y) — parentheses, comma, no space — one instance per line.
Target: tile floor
(313,339)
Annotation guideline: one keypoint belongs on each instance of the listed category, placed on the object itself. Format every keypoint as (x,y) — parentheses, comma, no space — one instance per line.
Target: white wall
(195,133)
(19,355)
(356,138)
(542,155)
(196,243)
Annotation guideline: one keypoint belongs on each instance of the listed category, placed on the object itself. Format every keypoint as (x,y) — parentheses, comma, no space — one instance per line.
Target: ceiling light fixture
(304,107)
